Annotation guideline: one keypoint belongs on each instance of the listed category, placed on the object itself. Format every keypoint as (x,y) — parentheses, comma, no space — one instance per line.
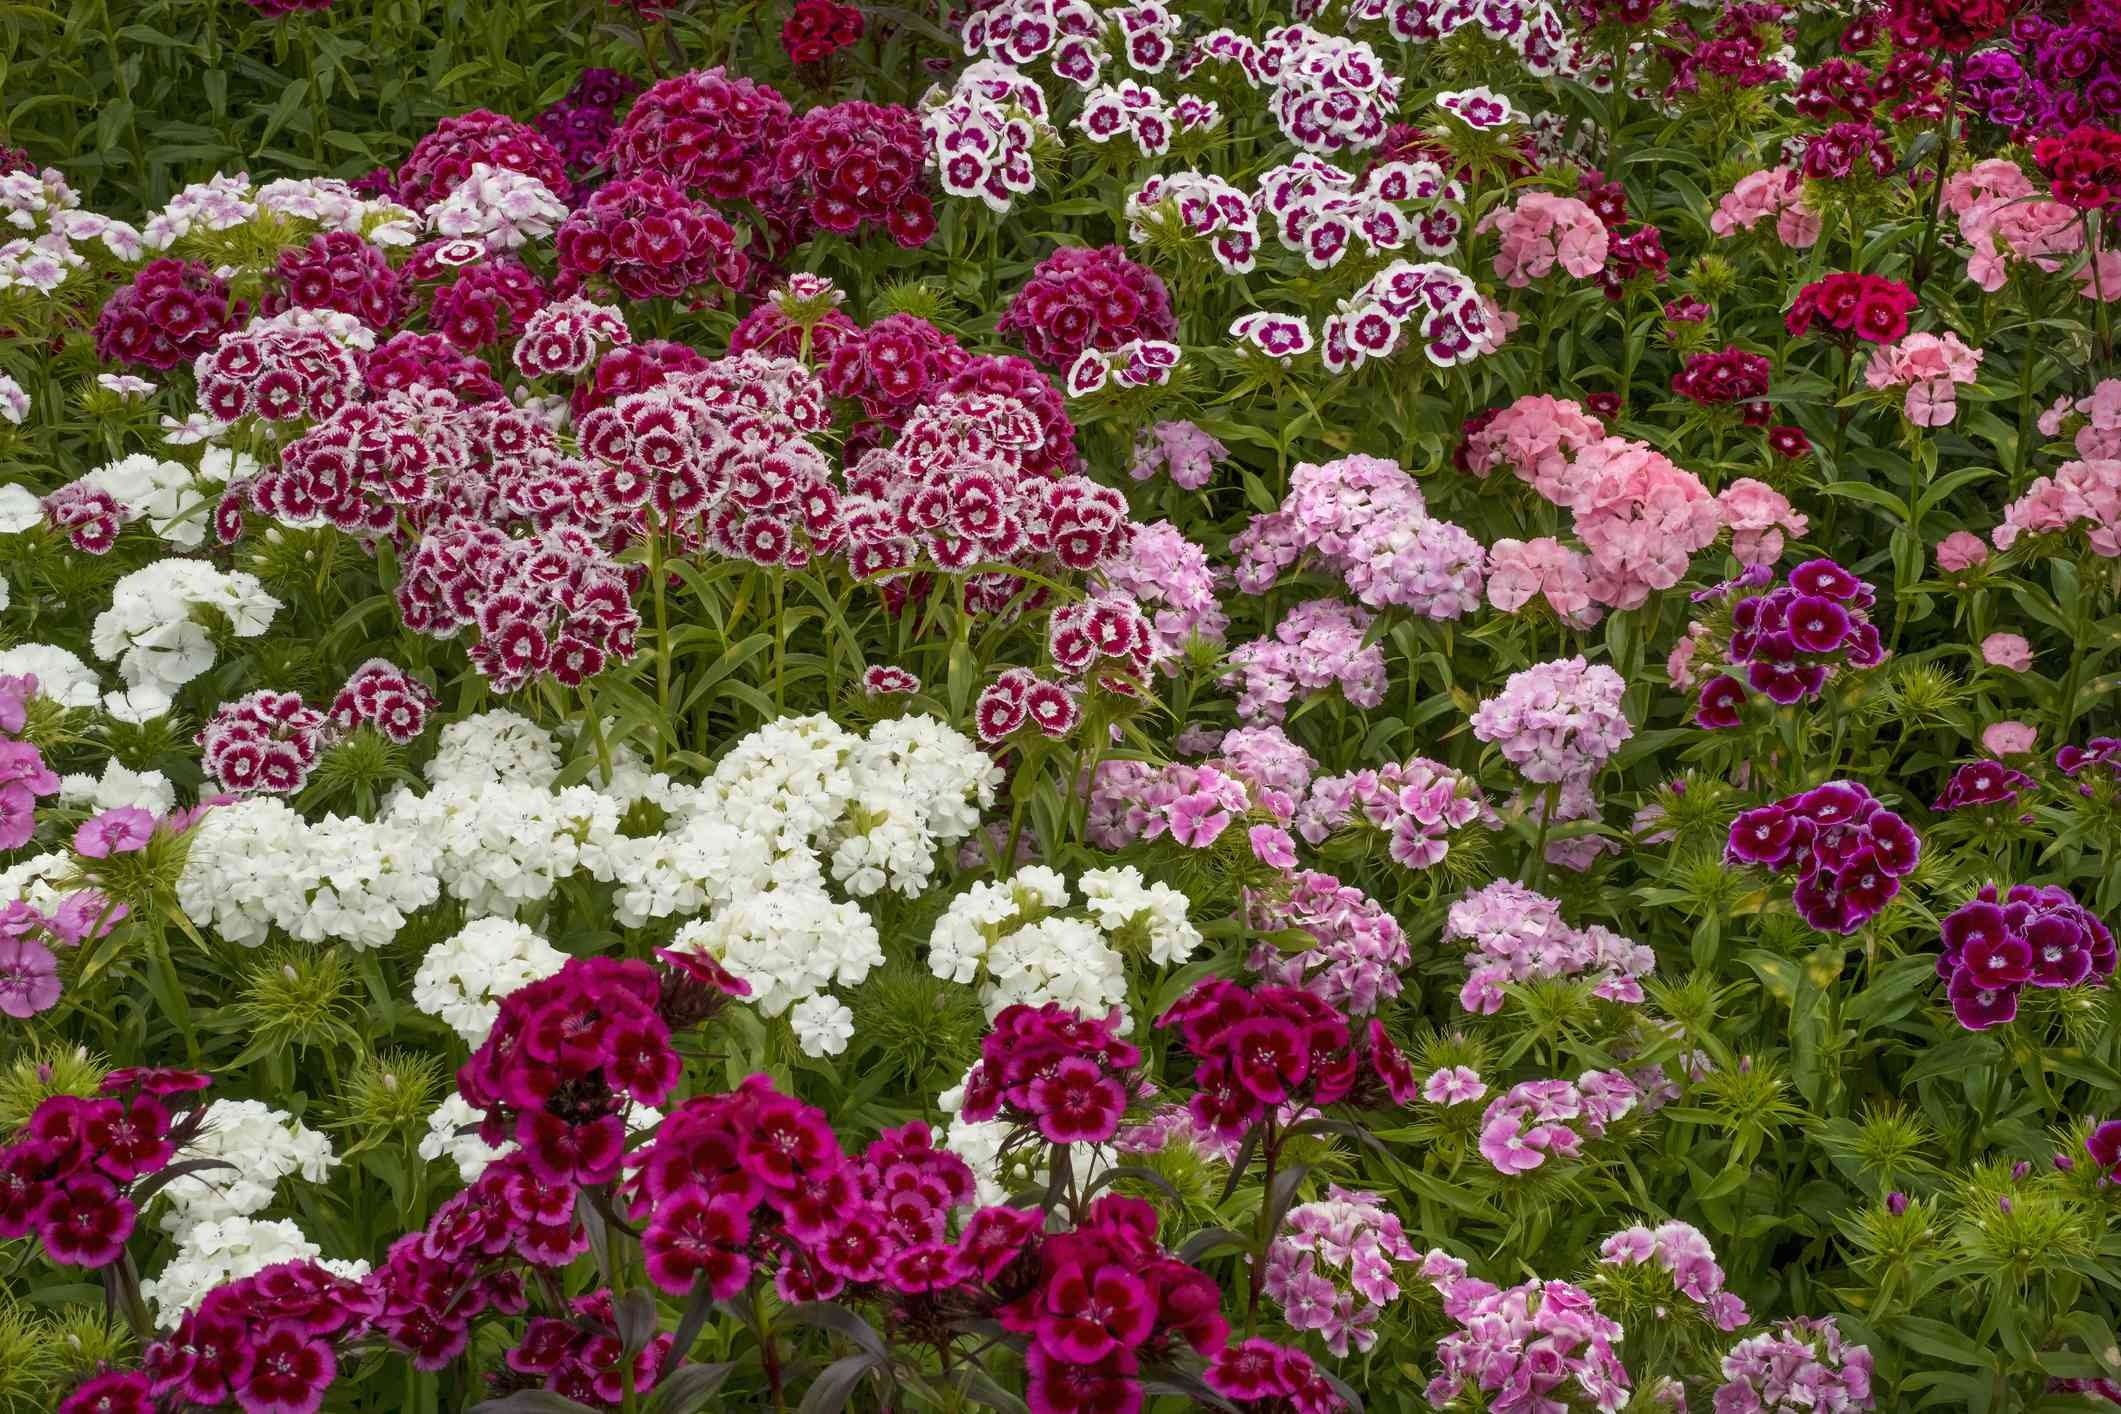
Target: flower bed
(1058,706)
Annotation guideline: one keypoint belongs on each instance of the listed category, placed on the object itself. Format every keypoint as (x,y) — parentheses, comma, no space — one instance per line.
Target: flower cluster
(1997,944)
(1518,936)
(1849,852)
(1792,639)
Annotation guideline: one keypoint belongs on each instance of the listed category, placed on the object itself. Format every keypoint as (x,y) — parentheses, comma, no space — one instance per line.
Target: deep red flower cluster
(67,1175)
(1109,1297)
(648,239)
(262,1342)
(707,132)
(263,741)
(1258,1049)
(892,366)
(1087,297)
(382,695)
(172,312)
(1262,1376)
(1844,149)
(556,602)
(815,30)
(480,304)
(275,372)
(1854,306)
(1068,1076)
(2082,166)
(1020,698)
(1835,85)
(338,270)
(445,157)
(767,330)
(582,1356)
(1724,377)
(1630,254)
(1953,25)
(847,165)
(1020,381)
(407,360)
(564,1059)
(635,368)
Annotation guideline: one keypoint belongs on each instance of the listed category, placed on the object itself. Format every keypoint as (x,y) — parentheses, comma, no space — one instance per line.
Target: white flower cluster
(462,979)
(213,1252)
(118,785)
(60,674)
(747,858)
(256,864)
(1010,939)
(263,1145)
(154,631)
(43,203)
(503,209)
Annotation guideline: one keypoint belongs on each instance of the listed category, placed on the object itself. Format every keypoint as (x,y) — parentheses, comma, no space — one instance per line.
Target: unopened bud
(1896,1202)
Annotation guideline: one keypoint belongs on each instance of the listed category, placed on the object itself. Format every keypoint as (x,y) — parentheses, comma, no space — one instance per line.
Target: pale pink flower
(1930,367)
(2007,738)
(1758,516)
(1522,570)
(1453,1085)
(2007,650)
(1776,192)
(1542,231)
(1960,550)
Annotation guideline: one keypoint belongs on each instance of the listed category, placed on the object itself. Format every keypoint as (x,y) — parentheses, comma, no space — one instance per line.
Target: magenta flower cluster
(2031,935)
(1847,851)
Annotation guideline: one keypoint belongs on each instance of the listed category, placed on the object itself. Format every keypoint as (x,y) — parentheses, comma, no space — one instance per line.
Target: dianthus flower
(407,360)
(857,164)
(479,304)
(648,238)
(264,741)
(1518,936)
(1317,644)
(1800,1364)
(1547,1338)
(815,30)
(1791,639)
(1556,721)
(2031,935)
(1180,449)
(707,132)
(1330,1267)
(1083,298)
(1724,377)
(1777,193)
(1365,518)
(2081,494)
(173,311)
(1849,853)
(1357,949)
(1853,307)
(1415,804)
(1686,1257)
(1931,367)
(1543,231)
(1066,1076)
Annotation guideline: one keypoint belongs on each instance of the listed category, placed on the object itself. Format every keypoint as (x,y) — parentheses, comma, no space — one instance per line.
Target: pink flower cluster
(1531,1122)
(1330,1267)
(1415,804)
(408,360)
(567,336)
(1640,518)
(1066,1076)
(1181,450)
(1931,367)
(1543,231)
(1317,644)
(1087,298)
(1556,721)
(265,1342)
(1259,1049)
(1518,936)
(2083,494)
(1357,951)
(1193,804)
(2003,220)
(1537,1345)
(263,741)
(1776,193)
(1522,570)
(1802,1363)
(2093,422)
(1683,1253)
(1759,518)
(1174,581)
(1364,519)
(88,516)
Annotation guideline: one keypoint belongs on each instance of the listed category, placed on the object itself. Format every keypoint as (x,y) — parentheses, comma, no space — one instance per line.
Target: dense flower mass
(1086,706)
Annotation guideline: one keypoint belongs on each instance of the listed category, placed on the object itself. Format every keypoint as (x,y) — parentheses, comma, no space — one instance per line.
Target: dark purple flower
(1721,700)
